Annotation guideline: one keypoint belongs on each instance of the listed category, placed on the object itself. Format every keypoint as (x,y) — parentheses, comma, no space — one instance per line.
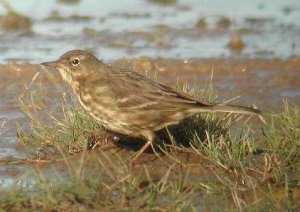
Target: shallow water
(114,30)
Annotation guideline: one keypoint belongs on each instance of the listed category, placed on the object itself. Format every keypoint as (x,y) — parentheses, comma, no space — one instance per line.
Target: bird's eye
(75,62)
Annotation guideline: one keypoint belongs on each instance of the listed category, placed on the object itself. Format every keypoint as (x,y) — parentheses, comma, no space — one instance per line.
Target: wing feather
(135,91)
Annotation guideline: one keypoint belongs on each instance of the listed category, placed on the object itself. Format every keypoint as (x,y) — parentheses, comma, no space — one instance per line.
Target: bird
(128,103)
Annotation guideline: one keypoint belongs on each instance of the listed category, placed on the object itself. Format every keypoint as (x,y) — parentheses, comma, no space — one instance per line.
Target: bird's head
(75,64)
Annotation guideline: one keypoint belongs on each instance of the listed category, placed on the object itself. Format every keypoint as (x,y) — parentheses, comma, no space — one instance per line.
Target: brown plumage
(126,102)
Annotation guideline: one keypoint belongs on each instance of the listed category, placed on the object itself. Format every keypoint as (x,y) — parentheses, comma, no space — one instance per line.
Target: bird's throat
(65,75)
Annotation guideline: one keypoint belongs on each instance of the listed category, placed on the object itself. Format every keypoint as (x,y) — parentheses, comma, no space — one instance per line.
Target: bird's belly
(106,116)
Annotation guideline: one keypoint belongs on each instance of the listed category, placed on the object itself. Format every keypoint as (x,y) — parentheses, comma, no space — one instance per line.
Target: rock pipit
(128,103)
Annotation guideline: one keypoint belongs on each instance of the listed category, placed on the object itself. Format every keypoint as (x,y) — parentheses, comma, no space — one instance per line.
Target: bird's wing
(134,91)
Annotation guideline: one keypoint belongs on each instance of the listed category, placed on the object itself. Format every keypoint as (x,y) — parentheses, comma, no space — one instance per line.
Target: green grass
(242,169)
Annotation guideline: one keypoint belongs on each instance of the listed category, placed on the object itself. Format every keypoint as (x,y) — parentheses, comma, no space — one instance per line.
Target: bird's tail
(232,109)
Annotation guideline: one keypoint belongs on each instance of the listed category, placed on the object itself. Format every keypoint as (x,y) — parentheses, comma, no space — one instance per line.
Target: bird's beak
(51,64)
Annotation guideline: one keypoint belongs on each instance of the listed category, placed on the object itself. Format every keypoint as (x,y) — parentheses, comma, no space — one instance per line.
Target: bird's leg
(149,135)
